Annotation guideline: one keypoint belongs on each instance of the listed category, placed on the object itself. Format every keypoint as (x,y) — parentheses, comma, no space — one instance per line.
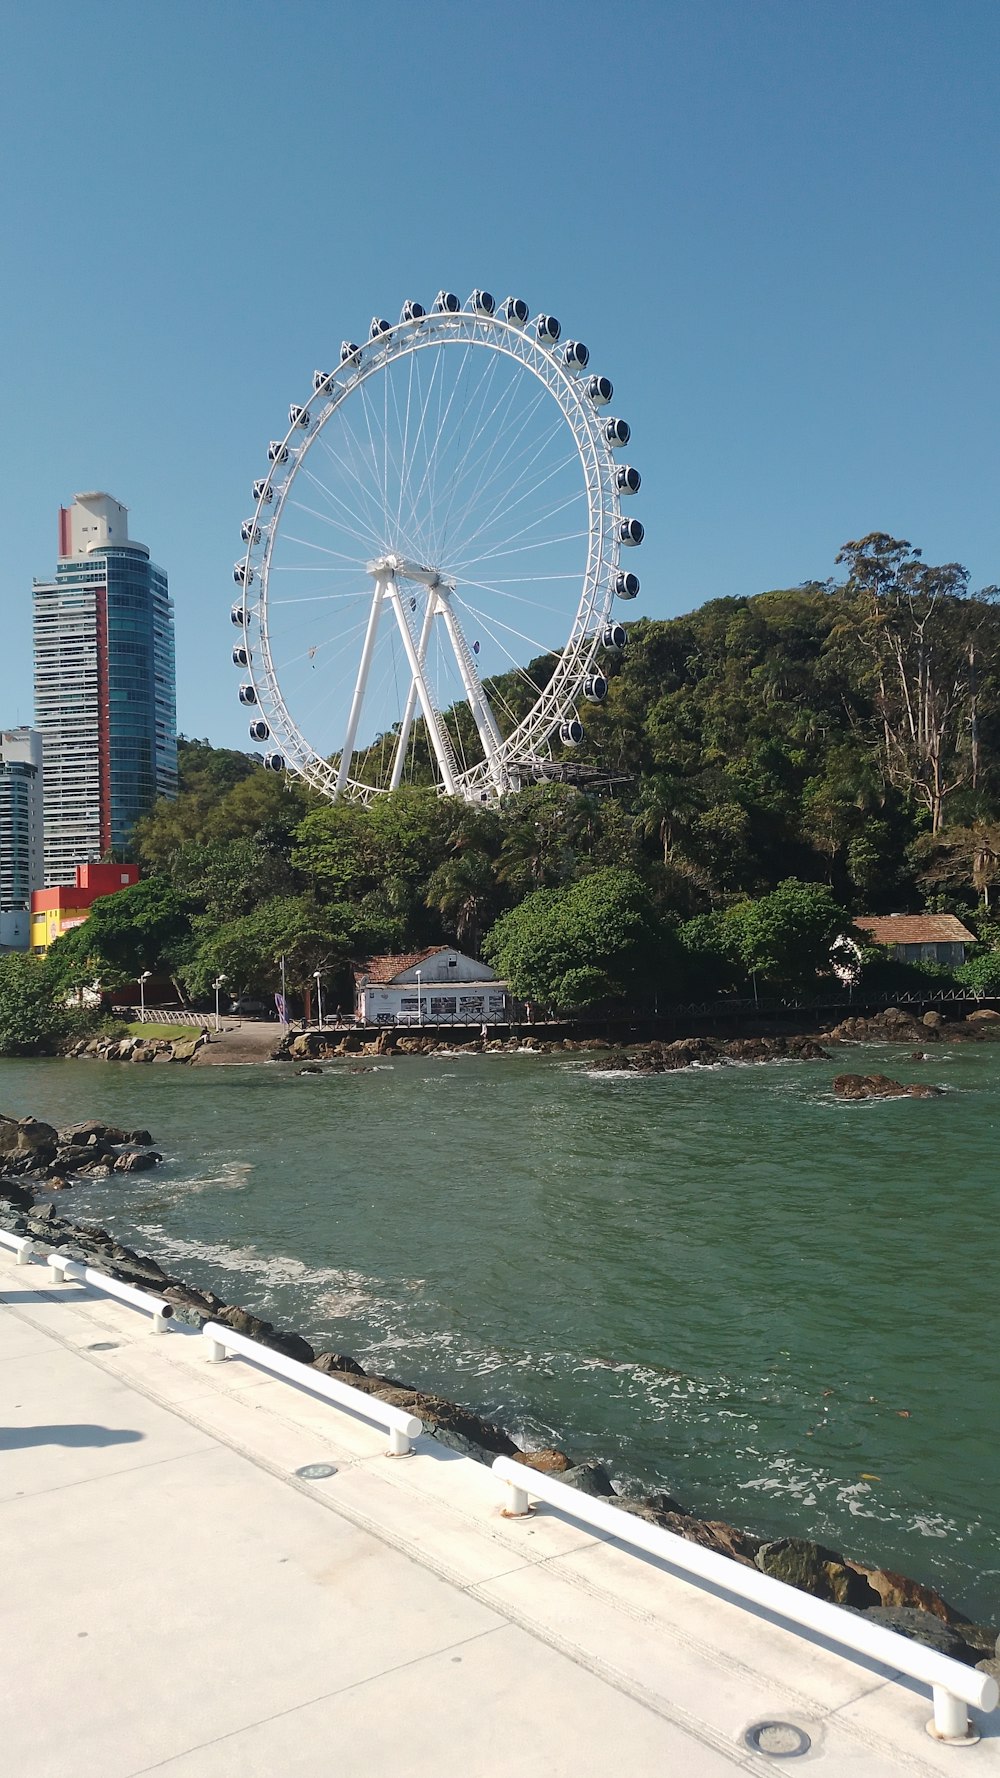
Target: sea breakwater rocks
(30,1149)
(139,1049)
(879,1086)
(707,1052)
(902,1604)
(896,1025)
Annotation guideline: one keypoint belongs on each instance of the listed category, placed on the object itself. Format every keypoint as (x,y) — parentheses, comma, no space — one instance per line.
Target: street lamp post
(420,1004)
(217,984)
(143,979)
(319,997)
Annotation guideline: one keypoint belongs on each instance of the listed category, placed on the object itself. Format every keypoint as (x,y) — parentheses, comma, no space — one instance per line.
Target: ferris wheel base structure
(448,500)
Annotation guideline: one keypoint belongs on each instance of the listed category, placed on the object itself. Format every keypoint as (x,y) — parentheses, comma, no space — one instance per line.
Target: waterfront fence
(954,1686)
(402,1427)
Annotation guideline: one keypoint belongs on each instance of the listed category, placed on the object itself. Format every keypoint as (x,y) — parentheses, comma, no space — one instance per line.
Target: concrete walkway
(175,1599)
(239,1040)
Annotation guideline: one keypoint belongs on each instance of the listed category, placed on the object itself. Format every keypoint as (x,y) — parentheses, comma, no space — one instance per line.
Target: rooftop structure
(104,685)
(20,832)
(919,938)
(409,1627)
(59,909)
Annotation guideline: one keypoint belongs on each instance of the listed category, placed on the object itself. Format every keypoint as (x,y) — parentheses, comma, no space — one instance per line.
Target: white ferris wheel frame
(509,760)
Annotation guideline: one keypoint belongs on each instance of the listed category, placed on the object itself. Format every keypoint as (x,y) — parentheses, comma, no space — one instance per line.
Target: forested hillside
(794,756)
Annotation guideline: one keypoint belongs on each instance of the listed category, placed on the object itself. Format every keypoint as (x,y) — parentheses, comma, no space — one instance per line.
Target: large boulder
(879,1086)
(984,1015)
(184,1049)
(338,1364)
(13,1192)
(291,1344)
(137,1160)
(454,1425)
(813,1569)
(899,1589)
(548,1461)
(94,1130)
(589,1478)
(923,1626)
(26,1145)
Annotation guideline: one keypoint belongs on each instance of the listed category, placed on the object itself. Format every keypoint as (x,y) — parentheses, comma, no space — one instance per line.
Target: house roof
(386,968)
(915,929)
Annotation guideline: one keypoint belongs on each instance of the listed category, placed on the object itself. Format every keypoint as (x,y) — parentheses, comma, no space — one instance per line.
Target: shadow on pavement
(14,1438)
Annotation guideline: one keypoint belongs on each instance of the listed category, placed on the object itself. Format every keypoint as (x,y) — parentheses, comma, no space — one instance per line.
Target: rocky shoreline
(34,1154)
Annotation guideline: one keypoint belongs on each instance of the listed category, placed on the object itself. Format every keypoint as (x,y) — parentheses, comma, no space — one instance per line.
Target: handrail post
(216,1350)
(399,1444)
(23,1254)
(518,1505)
(57,1268)
(950,1721)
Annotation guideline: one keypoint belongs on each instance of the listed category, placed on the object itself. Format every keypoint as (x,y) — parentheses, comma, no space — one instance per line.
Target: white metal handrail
(954,1685)
(402,1427)
(23,1248)
(62,1269)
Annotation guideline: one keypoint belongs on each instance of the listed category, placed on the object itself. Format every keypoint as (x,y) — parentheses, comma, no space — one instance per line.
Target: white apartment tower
(105,701)
(20,833)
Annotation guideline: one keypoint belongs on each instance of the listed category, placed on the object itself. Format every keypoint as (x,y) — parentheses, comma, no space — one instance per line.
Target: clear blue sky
(773,221)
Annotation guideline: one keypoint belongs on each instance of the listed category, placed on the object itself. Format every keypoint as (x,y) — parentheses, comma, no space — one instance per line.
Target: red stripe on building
(64,531)
(103,715)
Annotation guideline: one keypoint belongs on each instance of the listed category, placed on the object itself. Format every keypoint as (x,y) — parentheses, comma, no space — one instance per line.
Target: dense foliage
(34,1017)
(772,765)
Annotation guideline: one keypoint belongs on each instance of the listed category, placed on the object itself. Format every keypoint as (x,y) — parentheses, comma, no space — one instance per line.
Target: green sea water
(721,1282)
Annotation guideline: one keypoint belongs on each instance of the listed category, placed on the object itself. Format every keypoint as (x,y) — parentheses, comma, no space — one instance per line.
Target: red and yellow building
(58,910)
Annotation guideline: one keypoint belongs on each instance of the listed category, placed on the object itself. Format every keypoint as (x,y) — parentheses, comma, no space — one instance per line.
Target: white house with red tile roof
(919,938)
(436,986)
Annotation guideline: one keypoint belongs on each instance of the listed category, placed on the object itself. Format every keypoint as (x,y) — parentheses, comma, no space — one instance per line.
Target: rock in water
(334,1364)
(923,1626)
(879,1086)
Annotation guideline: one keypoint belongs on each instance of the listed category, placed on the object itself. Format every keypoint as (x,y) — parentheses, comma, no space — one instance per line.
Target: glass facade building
(104,686)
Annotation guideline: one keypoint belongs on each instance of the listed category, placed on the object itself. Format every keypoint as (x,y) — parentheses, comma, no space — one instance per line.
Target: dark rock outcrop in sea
(902,1604)
(706,1052)
(897,1025)
(879,1086)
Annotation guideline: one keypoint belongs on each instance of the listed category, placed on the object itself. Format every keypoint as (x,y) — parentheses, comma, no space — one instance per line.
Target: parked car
(246,1006)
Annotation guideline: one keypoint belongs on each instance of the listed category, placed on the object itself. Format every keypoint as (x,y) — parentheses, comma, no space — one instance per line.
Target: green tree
(784,938)
(142,927)
(34,1018)
(598,940)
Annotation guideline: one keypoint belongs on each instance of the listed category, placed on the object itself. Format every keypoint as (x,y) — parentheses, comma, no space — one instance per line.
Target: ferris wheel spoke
(364,491)
(434,455)
(532,491)
(491,618)
(512,438)
(348,519)
(419,434)
(487,586)
(539,543)
(465,449)
(524,474)
(499,417)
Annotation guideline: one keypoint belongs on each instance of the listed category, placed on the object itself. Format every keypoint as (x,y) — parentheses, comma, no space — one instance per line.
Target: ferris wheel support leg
(435,730)
(399,758)
(485,721)
(368,649)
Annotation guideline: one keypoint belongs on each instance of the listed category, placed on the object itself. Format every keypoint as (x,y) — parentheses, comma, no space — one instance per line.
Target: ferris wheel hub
(392,567)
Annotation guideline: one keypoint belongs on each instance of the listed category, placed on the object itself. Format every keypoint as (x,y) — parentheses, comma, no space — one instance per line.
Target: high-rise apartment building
(105,697)
(20,832)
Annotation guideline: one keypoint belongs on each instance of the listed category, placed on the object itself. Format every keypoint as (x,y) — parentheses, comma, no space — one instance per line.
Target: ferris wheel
(430,571)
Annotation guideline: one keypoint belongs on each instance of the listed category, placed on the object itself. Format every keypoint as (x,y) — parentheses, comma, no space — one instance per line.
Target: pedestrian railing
(954,1686)
(63,1270)
(403,1428)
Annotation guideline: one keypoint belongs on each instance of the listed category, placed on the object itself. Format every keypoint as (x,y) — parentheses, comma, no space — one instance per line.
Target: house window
(409,1003)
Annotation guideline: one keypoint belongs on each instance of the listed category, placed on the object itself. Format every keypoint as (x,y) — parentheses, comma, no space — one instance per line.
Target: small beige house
(438,986)
(918,938)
